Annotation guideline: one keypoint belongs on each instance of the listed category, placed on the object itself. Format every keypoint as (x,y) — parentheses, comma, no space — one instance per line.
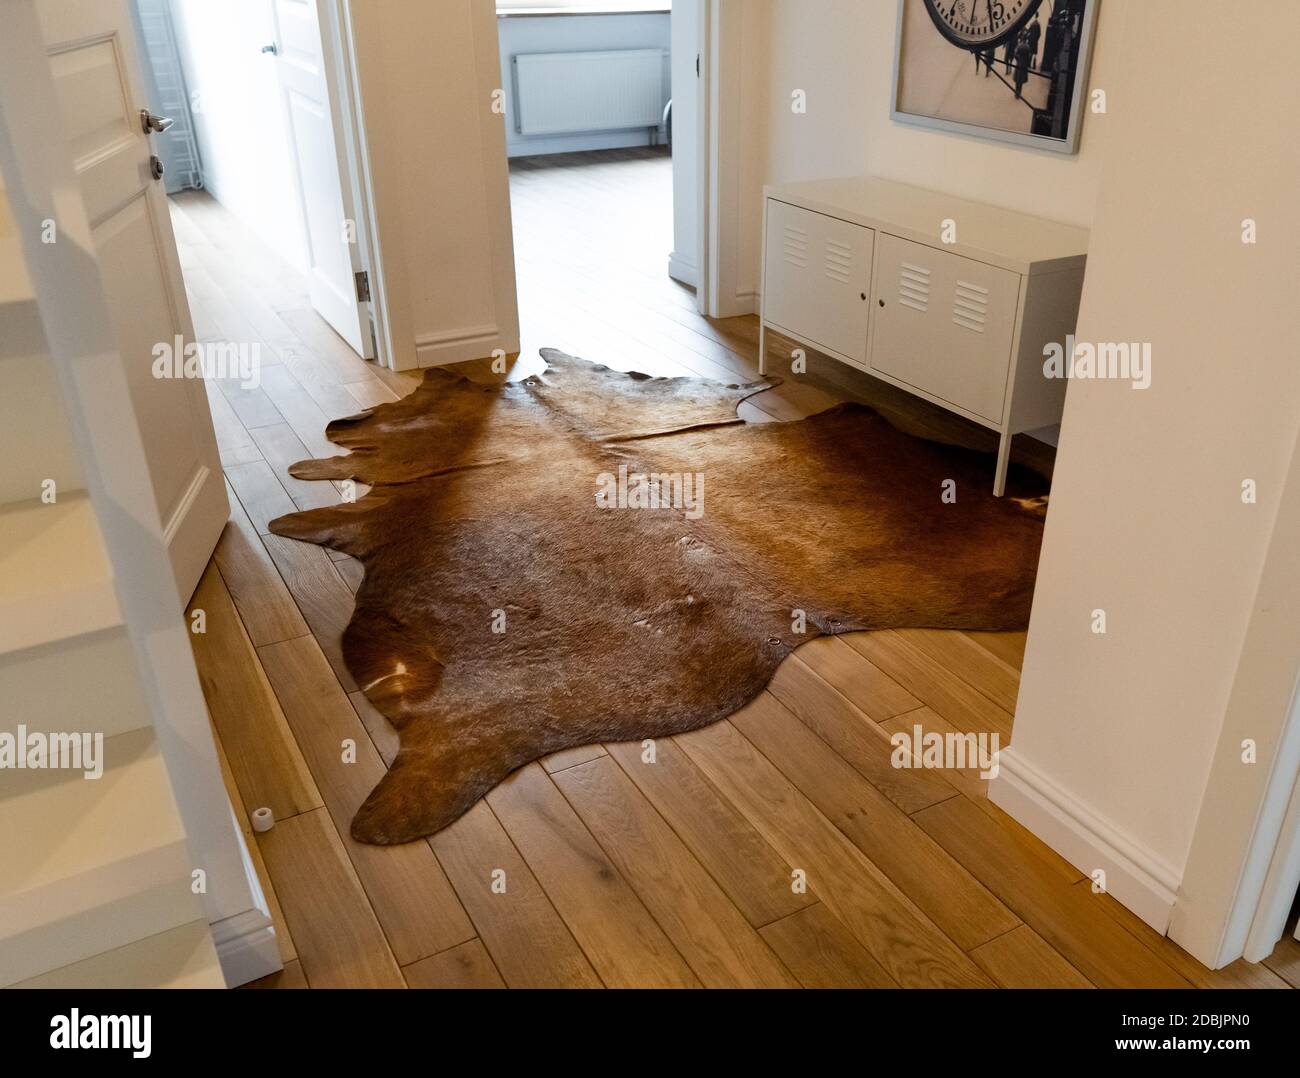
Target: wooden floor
(593,868)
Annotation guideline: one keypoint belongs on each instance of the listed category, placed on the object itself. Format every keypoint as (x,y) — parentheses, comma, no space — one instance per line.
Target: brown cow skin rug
(508,612)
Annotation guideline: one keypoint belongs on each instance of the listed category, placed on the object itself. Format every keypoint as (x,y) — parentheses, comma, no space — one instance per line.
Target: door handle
(152,124)
(272,48)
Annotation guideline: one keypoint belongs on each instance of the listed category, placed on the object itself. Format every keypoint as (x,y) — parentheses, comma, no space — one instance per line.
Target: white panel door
(94,63)
(817,277)
(944,324)
(311,103)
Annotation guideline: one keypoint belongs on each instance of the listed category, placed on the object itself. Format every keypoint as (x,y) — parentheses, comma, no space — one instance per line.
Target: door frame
(720,91)
(379,178)
(338,49)
(1243,867)
(704,124)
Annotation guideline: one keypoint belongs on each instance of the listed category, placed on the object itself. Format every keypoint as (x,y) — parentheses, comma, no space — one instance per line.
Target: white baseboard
(457,345)
(745,301)
(540,146)
(1135,876)
(681,270)
(246,947)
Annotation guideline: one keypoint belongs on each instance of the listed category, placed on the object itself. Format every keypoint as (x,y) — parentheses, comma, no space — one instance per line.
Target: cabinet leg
(1004,455)
(762,348)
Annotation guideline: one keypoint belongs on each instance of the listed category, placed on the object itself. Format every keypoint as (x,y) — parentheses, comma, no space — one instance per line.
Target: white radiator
(563,92)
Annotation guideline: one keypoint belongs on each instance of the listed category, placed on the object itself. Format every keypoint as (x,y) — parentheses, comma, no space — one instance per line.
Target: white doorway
(258,94)
(603,139)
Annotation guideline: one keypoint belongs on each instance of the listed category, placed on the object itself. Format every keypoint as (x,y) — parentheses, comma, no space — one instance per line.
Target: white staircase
(95,874)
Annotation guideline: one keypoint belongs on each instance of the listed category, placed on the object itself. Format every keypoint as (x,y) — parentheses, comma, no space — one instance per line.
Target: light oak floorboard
(1020,959)
(854,736)
(1063,914)
(283,937)
(968,780)
(465,966)
(953,899)
(976,665)
(822,953)
(865,685)
(717,942)
(414,902)
(622,940)
(265,607)
(264,757)
(260,493)
(932,683)
(1285,959)
(1238,974)
(340,944)
(1009,647)
(746,866)
(558,761)
(325,601)
(529,942)
(885,921)
(281,447)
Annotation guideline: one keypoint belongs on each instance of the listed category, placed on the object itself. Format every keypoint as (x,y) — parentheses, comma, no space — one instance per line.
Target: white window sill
(648,8)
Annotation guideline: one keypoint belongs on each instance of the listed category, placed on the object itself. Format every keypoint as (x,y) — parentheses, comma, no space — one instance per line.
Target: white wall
(441,185)
(1117,731)
(576,33)
(841,53)
(239,121)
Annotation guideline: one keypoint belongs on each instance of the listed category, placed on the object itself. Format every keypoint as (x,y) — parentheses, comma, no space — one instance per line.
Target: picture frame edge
(1066,147)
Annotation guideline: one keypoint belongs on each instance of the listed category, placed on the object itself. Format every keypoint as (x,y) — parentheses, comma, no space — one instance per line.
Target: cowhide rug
(511,608)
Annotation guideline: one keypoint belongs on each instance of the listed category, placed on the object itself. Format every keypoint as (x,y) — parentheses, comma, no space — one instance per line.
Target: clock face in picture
(979,24)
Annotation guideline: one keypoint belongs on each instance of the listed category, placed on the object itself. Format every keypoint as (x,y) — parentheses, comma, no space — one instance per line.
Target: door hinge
(363,286)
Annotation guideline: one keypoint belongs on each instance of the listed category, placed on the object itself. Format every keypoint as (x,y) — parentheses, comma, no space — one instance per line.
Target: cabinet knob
(882,302)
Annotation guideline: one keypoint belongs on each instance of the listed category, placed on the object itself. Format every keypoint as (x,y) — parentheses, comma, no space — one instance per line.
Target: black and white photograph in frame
(1009,70)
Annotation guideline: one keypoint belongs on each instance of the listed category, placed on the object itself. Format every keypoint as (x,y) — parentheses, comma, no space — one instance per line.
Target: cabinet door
(944,324)
(817,278)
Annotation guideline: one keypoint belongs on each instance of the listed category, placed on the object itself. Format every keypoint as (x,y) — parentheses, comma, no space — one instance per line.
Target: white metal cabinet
(958,307)
(944,324)
(817,271)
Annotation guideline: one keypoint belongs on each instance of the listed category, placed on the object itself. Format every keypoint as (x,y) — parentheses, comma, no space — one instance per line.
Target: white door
(816,277)
(943,324)
(684,259)
(311,102)
(98,84)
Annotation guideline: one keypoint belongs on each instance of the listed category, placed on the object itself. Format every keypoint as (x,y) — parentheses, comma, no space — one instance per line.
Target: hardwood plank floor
(777,848)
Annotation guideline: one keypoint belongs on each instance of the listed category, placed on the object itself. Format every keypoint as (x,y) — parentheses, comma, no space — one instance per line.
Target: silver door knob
(272,48)
(152,124)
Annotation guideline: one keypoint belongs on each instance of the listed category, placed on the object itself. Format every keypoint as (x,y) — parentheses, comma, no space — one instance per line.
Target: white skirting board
(458,345)
(247,947)
(1135,877)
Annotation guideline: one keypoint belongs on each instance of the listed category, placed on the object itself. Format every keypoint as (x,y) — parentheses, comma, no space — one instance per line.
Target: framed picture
(1010,70)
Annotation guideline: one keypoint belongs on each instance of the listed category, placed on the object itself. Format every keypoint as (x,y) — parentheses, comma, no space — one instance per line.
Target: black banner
(256,1027)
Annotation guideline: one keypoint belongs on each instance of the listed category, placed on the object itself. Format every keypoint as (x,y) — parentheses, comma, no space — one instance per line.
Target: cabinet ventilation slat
(795,246)
(914,287)
(970,305)
(839,259)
